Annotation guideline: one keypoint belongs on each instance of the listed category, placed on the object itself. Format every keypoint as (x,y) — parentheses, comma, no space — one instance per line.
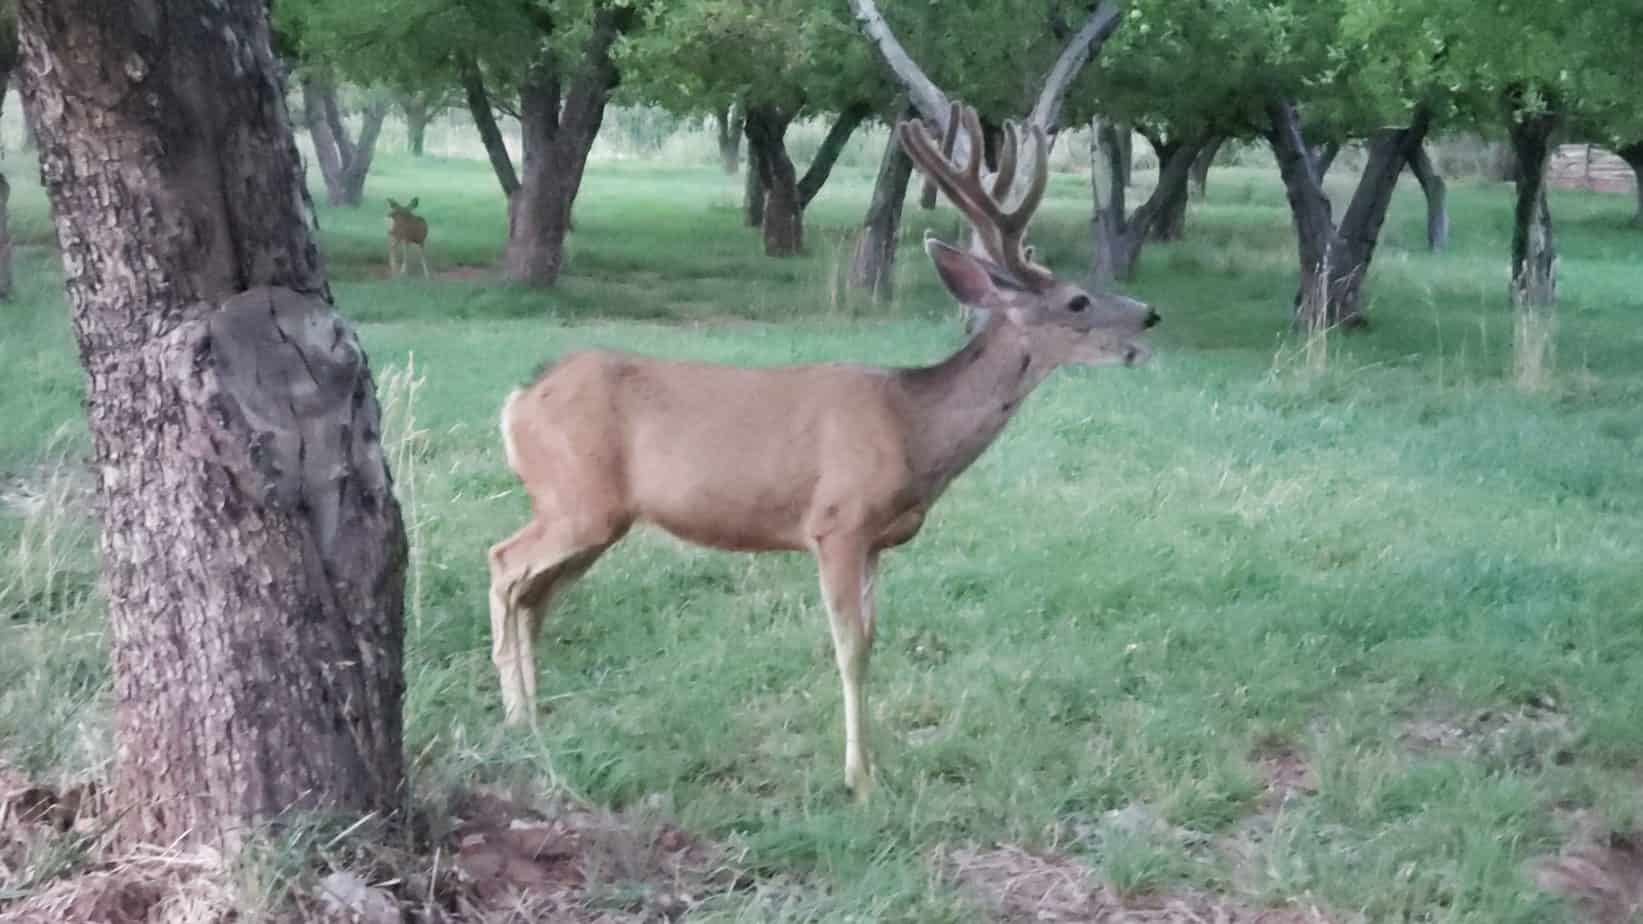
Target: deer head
(1062,322)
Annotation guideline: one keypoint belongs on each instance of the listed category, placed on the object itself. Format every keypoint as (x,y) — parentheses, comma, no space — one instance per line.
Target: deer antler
(1001,231)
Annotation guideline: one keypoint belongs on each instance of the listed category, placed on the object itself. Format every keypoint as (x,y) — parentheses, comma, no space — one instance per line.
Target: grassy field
(1365,638)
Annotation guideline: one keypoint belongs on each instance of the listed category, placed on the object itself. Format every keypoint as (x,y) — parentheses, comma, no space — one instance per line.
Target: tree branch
(1103,20)
(922,92)
(831,147)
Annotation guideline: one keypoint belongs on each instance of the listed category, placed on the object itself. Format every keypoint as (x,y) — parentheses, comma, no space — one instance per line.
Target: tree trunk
(783,223)
(730,139)
(753,190)
(1170,223)
(1198,186)
(344,163)
(1119,238)
(5,209)
(1126,155)
(484,119)
(1437,197)
(1309,209)
(1324,157)
(417,114)
(785,195)
(1632,154)
(557,137)
(1534,251)
(873,268)
(1354,245)
(253,554)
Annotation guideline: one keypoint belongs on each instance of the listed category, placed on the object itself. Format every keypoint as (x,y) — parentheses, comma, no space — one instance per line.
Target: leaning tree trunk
(1534,251)
(1632,154)
(730,139)
(484,118)
(1170,223)
(1437,197)
(1309,210)
(873,268)
(1198,184)
(344,163)
(557,137)
(1354,246)
(252,550)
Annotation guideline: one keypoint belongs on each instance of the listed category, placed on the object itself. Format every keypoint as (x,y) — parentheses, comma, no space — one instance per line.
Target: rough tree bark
(1198,182)
(730,138)
(558,126)
(1437,197)
(873,269)
(253,553)
(1632,154)
(1359,231)
(1119,237)
(344,161)
(1534,251)
(786,195)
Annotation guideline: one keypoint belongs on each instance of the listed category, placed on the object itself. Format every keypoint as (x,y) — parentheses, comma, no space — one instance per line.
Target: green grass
(1153,578)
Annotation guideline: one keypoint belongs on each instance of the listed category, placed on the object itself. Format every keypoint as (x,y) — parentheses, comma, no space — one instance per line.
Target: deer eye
(1079,303)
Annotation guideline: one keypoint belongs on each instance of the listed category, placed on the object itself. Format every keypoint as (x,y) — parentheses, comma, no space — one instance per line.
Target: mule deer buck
(842,461)
(406,227)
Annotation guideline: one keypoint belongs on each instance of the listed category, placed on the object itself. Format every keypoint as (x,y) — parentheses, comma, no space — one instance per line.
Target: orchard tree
(252,551)
(779,61)
(306,41)
(8,64)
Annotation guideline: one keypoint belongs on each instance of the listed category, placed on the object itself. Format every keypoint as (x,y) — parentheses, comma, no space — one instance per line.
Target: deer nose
(1152,318)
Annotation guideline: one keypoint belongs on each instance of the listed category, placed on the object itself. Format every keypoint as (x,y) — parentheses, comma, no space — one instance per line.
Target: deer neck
(955,409)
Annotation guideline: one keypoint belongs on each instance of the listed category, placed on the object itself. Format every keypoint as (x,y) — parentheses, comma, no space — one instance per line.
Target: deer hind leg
(847,567)
(422,255)
(528,569)
(393,245)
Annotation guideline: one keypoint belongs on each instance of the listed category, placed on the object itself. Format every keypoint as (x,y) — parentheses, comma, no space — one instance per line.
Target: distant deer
(842,461)
(406,227)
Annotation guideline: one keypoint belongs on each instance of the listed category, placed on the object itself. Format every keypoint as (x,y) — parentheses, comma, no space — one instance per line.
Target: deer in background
(406,227)
(842,461)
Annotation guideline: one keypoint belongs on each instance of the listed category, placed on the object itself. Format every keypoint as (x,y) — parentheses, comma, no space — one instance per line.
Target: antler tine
(927,199)
(1015,222)
(1006,165)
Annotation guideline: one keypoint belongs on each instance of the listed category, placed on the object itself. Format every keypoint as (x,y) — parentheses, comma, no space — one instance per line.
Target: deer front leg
(846,584)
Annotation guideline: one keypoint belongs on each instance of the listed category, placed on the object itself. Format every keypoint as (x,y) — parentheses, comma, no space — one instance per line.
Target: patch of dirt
(501,862)
(1016,885)
(1599,871)
(1528,735)
(1287,776)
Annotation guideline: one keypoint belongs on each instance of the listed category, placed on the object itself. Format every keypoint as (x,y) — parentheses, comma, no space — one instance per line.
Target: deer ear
(414,201)
(963,275)
(392,204)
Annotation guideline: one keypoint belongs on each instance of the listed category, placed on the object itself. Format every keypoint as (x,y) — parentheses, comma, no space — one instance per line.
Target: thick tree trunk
(753,190)
(1437,197)
(1198,186)
(730,139)
(344,163)
(417,114)
(873,268)
(557,138)
(1534,251)
(1126,155)
(1632,154)
(253,553)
